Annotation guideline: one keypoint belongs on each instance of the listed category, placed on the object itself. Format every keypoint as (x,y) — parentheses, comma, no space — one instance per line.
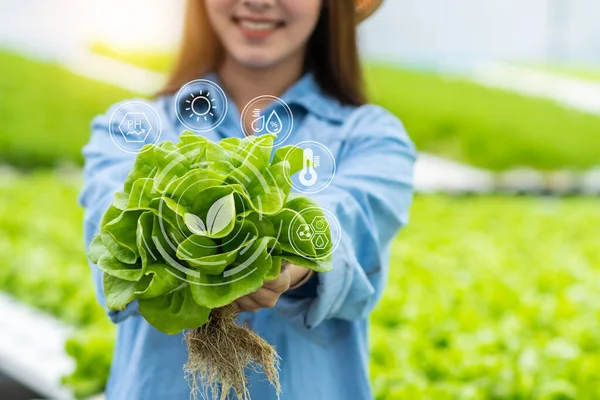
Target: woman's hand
(268,295)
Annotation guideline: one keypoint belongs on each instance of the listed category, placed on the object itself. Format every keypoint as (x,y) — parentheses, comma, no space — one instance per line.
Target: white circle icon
(267,115)
(318,168)
(134,124)
(201,105)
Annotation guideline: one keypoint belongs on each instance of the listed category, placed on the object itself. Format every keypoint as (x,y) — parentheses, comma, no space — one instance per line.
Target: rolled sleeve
(370,197)
(343,293)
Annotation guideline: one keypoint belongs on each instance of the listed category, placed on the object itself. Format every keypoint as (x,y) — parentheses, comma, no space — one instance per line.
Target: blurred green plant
(488,297)
(45,111)
(43,262)
(486,127)
(491,298)
(44,265)
(92,348)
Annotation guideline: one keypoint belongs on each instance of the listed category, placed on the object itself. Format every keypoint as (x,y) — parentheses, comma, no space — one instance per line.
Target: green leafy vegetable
(200,224)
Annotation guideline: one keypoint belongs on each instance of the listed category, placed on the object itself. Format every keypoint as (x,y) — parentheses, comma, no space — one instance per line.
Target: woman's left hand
(268,295)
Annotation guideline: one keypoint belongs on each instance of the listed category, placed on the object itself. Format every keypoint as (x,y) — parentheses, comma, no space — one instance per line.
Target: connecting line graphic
(136,133)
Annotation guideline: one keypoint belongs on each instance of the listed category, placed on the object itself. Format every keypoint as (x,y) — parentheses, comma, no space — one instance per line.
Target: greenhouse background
(494,290)
(431,31)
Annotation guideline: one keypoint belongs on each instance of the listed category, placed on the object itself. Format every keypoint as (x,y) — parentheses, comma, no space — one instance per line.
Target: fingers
(247,304)
(265,298)
(281,283)
(268,295)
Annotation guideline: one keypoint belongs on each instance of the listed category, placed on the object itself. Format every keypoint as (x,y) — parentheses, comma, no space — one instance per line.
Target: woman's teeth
(258,26)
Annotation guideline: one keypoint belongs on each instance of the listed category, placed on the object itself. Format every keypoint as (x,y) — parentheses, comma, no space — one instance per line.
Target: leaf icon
(221,217)
(194,224)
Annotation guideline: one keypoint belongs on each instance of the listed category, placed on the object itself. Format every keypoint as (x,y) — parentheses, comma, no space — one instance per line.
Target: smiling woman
(297,63)
(261,39)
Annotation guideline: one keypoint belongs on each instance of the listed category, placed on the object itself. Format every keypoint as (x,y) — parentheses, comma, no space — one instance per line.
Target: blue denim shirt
(320,330)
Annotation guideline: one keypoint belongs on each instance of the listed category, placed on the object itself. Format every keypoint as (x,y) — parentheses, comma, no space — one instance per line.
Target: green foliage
(491,298)
(486,127)
(92,347)
(44,265)
(40,236)
(488,297)
(196,227)
(46,111)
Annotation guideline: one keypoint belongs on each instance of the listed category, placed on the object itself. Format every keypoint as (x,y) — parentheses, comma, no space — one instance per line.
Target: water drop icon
(274,124)
(320,242)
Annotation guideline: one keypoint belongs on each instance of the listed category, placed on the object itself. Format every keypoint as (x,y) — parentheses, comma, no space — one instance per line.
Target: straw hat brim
(365,8)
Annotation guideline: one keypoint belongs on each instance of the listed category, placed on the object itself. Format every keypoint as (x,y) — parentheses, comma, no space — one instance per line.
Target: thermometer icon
(308,175)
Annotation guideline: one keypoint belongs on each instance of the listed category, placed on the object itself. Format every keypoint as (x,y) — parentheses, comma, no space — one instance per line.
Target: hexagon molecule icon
(319,224)
(305,232)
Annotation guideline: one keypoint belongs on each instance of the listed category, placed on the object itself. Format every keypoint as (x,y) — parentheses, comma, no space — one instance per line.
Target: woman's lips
(257,29)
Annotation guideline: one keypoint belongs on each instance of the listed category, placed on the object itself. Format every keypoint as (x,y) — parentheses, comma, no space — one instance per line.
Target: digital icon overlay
(309,228)
(201,105)
(261,124)
(318,168)
(134,124)
(267,115)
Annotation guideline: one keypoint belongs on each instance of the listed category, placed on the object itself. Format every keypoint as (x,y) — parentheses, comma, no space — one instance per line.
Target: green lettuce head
(200,224)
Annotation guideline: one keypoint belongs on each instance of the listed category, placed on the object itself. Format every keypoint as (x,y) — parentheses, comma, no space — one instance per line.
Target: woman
(304,52)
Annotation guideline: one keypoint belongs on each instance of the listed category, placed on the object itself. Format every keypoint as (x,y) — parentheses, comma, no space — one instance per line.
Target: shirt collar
(306,94)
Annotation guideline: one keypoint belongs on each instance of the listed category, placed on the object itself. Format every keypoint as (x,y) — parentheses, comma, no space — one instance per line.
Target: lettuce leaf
(200,224)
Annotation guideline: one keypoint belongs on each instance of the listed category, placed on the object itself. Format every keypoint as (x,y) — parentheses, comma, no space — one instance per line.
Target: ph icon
(133,124)
(135,127)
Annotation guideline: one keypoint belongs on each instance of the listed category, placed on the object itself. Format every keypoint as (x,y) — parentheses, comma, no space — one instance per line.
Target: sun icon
(201,106)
